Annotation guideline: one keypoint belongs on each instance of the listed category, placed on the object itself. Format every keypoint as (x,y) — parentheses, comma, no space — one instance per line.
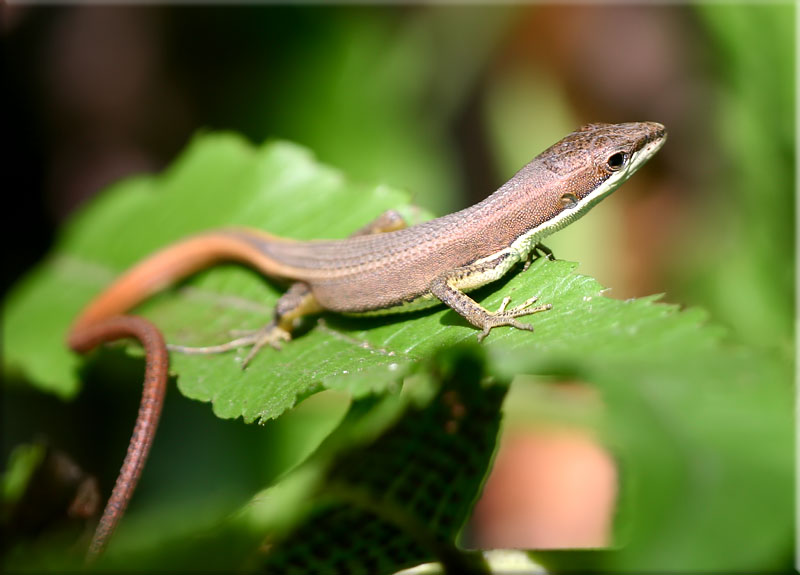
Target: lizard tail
(102,321)
(155,386)
(170,265)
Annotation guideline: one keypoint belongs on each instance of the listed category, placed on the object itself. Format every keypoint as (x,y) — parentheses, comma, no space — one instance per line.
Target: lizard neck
(512,217)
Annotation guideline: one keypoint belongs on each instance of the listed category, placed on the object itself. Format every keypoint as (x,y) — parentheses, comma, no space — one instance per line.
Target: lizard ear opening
(568,200)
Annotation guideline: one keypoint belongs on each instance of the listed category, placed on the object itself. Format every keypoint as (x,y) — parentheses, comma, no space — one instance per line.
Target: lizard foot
(271,335)
(505,316)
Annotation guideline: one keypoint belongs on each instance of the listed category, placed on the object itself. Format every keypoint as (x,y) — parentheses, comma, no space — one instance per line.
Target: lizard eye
(568,199)
(616,160)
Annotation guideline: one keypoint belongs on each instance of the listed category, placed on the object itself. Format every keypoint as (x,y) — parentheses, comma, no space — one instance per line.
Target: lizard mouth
(647,151)
(652,144)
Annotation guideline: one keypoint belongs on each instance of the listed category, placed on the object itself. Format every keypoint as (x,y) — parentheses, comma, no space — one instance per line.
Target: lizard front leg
(448,288)
(536,253)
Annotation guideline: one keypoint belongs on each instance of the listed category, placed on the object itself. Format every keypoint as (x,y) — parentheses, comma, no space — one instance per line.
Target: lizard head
(596,159)
(586,166)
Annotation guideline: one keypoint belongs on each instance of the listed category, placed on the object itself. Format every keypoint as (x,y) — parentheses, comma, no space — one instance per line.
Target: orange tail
(172,264)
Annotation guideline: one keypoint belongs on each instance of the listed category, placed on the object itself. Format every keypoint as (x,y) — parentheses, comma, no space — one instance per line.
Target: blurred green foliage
(21,466)
(748,280)
(372,91)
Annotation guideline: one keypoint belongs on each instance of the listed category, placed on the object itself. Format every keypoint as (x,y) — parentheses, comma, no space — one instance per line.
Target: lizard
(385,267)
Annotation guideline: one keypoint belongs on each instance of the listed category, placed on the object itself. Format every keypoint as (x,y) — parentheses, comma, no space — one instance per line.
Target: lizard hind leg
(296,302)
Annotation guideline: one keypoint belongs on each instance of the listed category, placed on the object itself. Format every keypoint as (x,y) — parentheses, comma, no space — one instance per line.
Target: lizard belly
(486,270)
(404,291)
(376,293)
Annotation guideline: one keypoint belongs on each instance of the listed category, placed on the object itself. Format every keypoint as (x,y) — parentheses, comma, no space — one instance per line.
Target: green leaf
(402,475)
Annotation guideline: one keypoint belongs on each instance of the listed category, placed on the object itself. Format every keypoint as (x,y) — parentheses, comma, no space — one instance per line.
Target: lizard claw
(271,335)
(522,309)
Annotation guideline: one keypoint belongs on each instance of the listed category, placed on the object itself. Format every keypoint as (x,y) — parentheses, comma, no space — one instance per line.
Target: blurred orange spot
(553,488)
